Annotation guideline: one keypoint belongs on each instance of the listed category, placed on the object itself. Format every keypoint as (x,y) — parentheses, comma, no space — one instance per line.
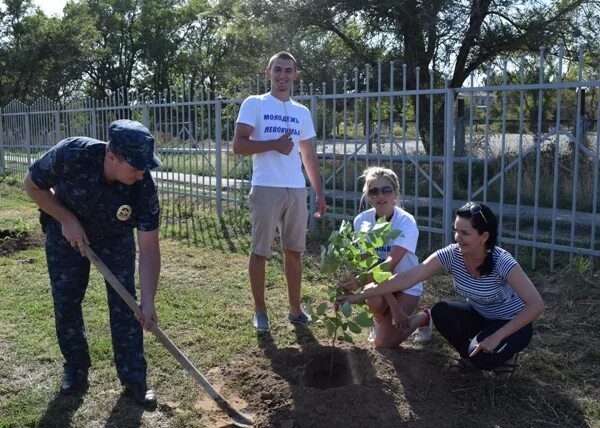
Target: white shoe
(423,334)
(371,337)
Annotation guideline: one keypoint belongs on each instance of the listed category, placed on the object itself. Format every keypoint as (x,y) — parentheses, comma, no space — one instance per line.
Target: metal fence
(528,148)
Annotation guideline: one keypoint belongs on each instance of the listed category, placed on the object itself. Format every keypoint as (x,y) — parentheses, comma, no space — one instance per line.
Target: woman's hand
(348,298)
(489,345)
(399,317)
(348,283)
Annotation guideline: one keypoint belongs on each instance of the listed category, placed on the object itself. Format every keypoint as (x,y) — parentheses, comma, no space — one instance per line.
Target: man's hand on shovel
(148,315)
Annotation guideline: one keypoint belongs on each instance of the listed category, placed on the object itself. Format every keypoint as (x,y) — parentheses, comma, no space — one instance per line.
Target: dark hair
(483,220)
(282,55)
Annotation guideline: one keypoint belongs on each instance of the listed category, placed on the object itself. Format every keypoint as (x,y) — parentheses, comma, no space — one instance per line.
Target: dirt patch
(13,241)
(290,387)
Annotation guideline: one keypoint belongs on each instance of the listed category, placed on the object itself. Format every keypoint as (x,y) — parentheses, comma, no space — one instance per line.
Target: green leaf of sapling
(308,309)
(364,319)
(347,309)
(385,266)
(354,328)
(380,276)
(321,309)
(331,327)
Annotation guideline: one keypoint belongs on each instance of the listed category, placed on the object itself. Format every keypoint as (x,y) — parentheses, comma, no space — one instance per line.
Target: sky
(51,7)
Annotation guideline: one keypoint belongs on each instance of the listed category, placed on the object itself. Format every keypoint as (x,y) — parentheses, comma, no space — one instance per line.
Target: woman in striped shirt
(495,322)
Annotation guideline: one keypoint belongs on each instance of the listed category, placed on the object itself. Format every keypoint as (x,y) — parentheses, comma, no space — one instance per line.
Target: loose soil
(290,387)
(12,241)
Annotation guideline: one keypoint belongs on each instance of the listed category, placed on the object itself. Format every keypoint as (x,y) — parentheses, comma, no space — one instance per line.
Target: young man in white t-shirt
(277,131)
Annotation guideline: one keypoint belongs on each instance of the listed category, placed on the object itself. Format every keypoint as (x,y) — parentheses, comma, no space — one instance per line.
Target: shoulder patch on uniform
(154,205)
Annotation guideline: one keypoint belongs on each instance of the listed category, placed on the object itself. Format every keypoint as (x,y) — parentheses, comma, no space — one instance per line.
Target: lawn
(205,307)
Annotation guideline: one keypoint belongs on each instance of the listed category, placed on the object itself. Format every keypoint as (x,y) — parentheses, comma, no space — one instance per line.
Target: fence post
(311,194)
(459,132)
(27,139)
(2,162)
(146,115)
(448,165)
(94,124)
(57,126)
(218,159)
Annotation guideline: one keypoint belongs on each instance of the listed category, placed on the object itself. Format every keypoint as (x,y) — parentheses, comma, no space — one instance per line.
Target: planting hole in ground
(320,373)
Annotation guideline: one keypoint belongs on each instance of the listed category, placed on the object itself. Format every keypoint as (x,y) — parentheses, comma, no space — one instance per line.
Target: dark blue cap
(134,142)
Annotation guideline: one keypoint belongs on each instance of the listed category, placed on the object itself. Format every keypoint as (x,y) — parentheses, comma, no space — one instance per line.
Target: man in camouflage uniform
(96,192)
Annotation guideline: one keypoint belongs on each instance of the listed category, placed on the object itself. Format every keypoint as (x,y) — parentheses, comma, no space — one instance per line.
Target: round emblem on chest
(124,212)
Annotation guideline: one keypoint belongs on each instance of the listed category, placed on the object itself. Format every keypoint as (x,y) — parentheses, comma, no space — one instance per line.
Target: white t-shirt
(270,118)
(491,295)
(405,223)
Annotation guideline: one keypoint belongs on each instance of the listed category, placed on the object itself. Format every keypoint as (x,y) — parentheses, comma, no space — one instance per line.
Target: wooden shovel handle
(238,418)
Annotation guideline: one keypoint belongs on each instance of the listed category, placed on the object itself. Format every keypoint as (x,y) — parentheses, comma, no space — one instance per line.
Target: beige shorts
(282,208)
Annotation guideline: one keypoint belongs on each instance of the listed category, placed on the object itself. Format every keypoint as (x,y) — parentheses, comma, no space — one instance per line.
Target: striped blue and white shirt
(490,295)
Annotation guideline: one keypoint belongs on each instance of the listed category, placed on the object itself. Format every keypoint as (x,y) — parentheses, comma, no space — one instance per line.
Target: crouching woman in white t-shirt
(392,311)
(495,322)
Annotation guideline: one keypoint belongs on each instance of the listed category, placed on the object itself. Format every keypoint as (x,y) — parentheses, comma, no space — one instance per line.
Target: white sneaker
(371,337)
(423,334)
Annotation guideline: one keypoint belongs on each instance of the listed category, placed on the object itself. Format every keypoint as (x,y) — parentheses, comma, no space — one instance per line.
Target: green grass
(204,306)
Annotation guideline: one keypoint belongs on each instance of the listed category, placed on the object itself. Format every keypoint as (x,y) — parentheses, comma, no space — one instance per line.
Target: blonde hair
(376,172)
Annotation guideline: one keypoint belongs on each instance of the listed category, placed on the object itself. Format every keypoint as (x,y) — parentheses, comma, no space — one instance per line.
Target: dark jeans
(458,322)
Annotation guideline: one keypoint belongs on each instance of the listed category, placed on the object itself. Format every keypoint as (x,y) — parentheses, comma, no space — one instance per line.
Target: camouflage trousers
(69,276)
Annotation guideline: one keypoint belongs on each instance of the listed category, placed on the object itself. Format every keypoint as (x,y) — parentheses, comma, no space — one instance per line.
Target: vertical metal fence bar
(334,160)
(2,152)
(448,163)
(345,142)
(201,145)
(486,138)
(471,147)
(596,154)
(557,148)
(227,147)
(578,144)
(404,135)
(313,203)
(324,139)
(431,172)
(94,124)
(27,138)
(356,102)
(538,156)
(503,151)
(181,154)
(368,137)
(391,118)
(520,157)
(378,113)
(57,125)
(218,159)
(210,139)
(417,138)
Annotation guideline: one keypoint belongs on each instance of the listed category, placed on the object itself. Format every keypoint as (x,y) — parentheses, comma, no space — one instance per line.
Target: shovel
(237,418)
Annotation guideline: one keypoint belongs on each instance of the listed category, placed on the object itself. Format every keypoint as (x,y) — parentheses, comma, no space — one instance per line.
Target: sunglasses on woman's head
(476,209)
(385,190)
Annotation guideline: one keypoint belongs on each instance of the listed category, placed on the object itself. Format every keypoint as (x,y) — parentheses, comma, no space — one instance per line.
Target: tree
(454,37)
(39,56)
